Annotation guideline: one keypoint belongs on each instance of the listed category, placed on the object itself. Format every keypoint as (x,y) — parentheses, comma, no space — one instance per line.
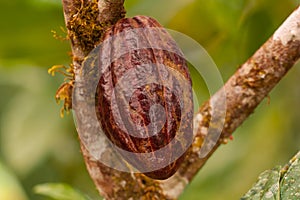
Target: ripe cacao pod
(144,97)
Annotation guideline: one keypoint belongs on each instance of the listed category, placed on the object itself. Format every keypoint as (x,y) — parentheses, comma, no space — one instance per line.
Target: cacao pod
(144,99)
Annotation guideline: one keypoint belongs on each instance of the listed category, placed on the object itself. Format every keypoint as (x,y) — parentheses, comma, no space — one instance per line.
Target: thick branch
(251,83)
(87,19)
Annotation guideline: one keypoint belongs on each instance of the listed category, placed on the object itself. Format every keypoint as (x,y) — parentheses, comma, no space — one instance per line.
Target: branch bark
(86,20)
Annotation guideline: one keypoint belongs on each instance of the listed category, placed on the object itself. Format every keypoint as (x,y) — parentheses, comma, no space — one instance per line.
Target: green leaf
(290,182)
(278,183)
(10,188)
(266,187)
(59,191)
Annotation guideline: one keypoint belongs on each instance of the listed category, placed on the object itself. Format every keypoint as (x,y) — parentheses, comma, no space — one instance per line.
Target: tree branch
(86,20)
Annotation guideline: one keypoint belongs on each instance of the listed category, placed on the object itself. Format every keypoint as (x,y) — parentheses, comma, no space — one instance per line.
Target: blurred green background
(37,146)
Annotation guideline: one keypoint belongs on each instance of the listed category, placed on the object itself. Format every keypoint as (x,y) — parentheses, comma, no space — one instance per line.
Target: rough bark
(249,85)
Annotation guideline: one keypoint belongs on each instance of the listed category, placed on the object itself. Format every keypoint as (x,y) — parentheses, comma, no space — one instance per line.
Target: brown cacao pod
(144,97)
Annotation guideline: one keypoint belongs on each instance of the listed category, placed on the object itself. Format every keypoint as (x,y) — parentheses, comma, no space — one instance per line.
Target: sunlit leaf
(9,186)
(59,191)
